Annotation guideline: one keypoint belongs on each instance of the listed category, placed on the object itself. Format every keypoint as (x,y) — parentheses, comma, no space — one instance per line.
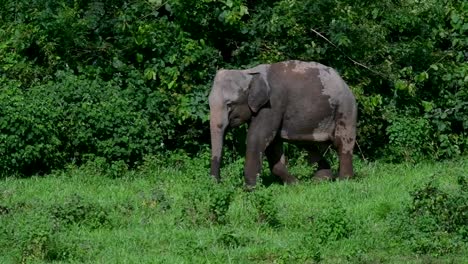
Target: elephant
(305,103)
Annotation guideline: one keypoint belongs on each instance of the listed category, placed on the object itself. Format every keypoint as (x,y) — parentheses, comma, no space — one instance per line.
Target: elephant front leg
(253,167)
(277,162)
(256,145)
(261,133)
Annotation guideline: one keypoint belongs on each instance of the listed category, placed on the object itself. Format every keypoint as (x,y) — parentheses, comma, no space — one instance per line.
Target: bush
(266,207)
(333,225)
(207,203)
(448,211)
(120,80)
(43,234)
(76,211)
(409,138)
(435,221)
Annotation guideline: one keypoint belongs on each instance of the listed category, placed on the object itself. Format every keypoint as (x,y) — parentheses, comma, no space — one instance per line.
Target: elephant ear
(259,92)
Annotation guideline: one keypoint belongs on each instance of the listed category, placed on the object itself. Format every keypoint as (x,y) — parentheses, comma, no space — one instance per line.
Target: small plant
(448,211)
(310,249)
(76,211)
(231,240)
(333,225)
(50,246)
(408,137)
(36,246)
(157,199)
(196,204)
(266,208)
(4,210)
(434,222)
(206,203)
(34,238)
(220,200)
(435,243)
(192,211)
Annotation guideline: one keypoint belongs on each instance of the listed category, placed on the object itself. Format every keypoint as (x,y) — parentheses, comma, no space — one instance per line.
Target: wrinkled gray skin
(301,102)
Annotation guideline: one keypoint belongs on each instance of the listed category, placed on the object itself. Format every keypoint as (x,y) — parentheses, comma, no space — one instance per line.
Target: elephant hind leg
(323,171)
(277,162)
(345,138)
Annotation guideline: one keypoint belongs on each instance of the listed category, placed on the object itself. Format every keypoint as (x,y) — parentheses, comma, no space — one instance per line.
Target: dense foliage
(122,79)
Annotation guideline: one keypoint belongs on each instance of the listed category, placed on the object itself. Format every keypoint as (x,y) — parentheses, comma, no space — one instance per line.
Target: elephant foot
(249,188)
(291,180)
(216,179)
(323,175)
(344,178)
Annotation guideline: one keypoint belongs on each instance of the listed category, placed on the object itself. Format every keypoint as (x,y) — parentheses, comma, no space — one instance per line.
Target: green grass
(176,214)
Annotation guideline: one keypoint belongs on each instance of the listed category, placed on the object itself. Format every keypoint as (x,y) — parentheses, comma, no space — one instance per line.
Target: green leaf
(150,74)
(401,85)
(139,57)
(428,106)
(421,77)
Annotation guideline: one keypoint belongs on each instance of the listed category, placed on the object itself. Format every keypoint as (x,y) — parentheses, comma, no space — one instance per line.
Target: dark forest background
(120,80)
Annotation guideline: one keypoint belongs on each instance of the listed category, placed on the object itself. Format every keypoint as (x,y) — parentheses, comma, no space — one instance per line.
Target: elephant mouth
(235,122)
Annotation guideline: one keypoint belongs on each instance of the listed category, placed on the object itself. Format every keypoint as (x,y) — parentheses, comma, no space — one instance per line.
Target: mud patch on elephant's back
(300,67)
(332,84)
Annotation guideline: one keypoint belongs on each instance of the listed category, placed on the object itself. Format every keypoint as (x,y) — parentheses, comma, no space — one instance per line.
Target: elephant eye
(229,107)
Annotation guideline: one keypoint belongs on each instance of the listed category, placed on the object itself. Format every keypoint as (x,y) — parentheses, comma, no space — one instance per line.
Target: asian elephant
(301,102)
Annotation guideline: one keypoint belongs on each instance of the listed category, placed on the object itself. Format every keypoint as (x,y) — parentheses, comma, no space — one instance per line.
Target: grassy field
(402,213)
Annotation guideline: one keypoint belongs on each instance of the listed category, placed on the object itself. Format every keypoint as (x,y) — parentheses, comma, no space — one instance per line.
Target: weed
(49,246)
(192,211)
(333,225)
(220,200)
(157,199)
(266,208)
(435,243)
(208,203)
(434,222)
(4,210)
(33,237)
(35,247)
(230,239)
(448,212)
(383,210)
(76,211)
(310,249)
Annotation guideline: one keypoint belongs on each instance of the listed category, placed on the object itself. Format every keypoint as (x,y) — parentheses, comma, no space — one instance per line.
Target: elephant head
(236,95)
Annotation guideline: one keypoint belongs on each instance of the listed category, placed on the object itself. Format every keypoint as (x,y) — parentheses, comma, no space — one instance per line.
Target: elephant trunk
(218,124)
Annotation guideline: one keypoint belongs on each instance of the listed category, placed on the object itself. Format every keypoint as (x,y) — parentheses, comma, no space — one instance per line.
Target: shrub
(76,211)
(207,203)
(333,225)
(34,237)
(435,221)
(409,139)
(266,207)
(220,200)
(230,239)
(446,211)
(122,80)
(29,131)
